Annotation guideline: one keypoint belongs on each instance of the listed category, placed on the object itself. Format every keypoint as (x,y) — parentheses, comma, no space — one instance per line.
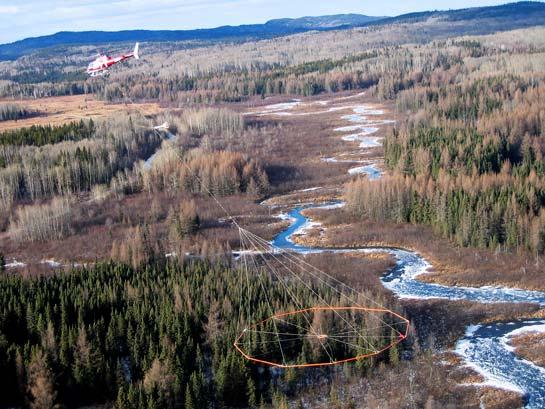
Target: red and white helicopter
(103,62)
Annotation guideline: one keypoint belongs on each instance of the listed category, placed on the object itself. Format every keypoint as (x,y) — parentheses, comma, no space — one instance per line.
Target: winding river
(484,348)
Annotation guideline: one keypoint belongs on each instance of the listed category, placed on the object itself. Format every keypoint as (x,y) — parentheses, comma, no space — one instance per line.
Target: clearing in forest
(65,109)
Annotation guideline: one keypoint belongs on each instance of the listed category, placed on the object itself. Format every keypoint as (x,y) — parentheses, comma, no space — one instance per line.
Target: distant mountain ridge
(504,17)
(521,9)
(272,28)
(330,21)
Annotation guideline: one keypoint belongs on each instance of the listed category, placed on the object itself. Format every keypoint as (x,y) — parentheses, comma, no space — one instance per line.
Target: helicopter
(102,63)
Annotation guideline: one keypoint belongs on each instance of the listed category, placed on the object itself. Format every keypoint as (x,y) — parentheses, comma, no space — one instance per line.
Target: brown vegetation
(439,323)
(221,173)
(140,196)
(98,224)
(10,111)
(50,221)
(423,382)
(40,383)
(134,215)
(452,265)
(530,346)
(359,271)
(65,109)
(324,194)
(73,166)
(468,160)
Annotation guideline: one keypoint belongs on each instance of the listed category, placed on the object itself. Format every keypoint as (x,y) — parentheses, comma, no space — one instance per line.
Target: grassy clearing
(66,109)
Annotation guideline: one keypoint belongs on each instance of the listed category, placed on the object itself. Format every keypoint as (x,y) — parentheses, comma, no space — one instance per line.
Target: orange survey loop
(402,336)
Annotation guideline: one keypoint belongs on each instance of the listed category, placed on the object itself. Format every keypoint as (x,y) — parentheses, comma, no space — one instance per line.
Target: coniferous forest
(470,165)
(159,335)
(122,233)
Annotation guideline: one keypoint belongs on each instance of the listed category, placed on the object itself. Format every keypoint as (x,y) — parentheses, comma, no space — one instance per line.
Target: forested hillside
(219,71)
(272,28)
(40,162)
(469,159)
(159,335)
(125,238)
(477,20)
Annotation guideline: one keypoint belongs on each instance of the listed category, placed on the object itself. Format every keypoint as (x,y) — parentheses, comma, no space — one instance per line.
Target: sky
(30,18)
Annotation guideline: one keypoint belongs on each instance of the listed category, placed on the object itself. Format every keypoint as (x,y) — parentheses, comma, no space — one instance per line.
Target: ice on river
(372,172)
(149,162)
(364,140)
(486,350)
(483,348)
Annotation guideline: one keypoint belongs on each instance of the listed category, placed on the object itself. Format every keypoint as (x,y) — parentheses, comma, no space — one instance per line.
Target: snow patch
(305,228)
(311,189)
(51,263)
(364,110)
(14,264)
(335,160)
(471,329)
(278,109)
(365,140)
(149,162)
(331,206)
(364,129)
(538,327)
(372,172)
(284,216)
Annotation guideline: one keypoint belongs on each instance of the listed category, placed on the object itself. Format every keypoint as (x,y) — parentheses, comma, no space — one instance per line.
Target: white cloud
(26,18)
(9,9)
(42,17)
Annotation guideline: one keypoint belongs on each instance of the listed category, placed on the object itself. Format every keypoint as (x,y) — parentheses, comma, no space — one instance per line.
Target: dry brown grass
(324,194)
(65,109)
(530,346)
(99,223)
(359,271)
(295,151)
(492,398)
(452,265)
(427,381)
(291,151)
